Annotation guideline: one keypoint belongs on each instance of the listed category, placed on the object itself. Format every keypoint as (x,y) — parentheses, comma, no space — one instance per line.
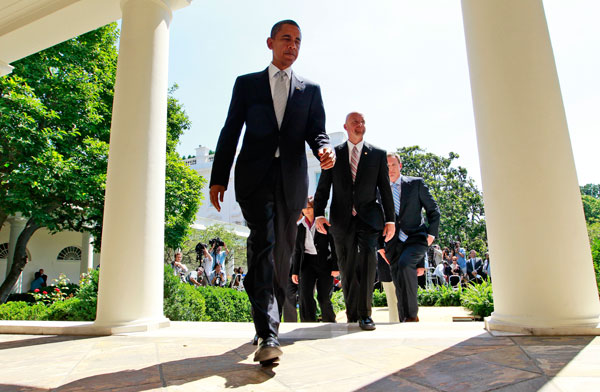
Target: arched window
(4,250)
(70,253)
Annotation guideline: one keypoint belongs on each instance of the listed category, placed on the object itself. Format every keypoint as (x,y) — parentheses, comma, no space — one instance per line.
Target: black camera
(215,242)
(199,250)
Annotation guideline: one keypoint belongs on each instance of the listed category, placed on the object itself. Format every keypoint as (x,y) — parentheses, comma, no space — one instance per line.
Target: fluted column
(131,264)
(543,275)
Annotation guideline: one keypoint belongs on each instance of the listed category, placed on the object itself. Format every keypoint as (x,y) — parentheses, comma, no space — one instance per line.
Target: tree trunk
(19,259)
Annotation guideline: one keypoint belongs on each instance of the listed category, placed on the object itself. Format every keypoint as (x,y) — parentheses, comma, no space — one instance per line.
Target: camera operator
(218,277)
(460,255)
(197,277)
(179,269)
(204,258)
(219,252)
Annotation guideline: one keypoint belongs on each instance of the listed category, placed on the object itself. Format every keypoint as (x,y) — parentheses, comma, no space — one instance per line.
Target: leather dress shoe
(255,340)
(412,319)
(268,350)
(366,324)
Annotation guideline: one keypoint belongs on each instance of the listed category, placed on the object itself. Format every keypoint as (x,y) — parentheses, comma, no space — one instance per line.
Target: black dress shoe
(255,340)
(268,350)
(366,324)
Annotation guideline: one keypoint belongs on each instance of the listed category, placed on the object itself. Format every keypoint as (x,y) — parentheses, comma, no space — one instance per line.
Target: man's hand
(321,222)
(335,273)
(327,157)
(295,278)
(216,194)
(420,271)
(430,239)
(389,230)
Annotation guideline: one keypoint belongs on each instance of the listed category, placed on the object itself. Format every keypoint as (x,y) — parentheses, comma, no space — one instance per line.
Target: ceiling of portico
(28,26)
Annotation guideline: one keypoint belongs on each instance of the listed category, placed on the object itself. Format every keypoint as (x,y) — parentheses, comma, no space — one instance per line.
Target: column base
(76,328)
(500,328)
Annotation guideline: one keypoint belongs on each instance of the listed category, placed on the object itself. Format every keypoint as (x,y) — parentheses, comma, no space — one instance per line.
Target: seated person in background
(456,272)
(218,277)
(37,283)
(474,267)
(314,262)
(44,277)
(197,277)
(439,273)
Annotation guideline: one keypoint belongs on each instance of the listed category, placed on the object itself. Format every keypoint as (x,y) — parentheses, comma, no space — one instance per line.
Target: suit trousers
(269,249)
(355,248)
(311,274)
(404,275)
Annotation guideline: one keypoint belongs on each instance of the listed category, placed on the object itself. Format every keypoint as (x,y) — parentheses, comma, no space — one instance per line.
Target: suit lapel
(344,163)
(404,188)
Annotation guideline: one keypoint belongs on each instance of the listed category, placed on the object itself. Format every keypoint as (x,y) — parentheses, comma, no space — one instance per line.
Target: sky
(401,63)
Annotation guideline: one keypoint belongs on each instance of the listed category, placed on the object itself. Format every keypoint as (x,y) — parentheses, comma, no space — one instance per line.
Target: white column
(17,224)
(543,275)
(131,264)
(87,253)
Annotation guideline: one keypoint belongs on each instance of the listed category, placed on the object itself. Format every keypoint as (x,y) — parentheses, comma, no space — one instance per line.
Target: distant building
(231,214)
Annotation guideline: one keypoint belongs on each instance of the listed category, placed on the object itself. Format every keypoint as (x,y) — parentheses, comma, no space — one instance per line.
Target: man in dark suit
(474,267)
(406,251)
(281,111)
(357,217)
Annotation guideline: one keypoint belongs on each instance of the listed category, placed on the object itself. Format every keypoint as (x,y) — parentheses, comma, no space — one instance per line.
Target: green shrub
(478,298)
(379,298)
(223,304)
(23,311)
(182,302)
(337,300)
(72,309)
(439,296)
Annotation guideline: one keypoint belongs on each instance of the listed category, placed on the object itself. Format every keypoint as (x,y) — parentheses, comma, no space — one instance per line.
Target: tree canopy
(55,115)
(459,199)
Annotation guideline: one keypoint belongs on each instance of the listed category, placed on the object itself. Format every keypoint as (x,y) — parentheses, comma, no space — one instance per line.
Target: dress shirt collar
(273,70)
(398,181)
(358,145)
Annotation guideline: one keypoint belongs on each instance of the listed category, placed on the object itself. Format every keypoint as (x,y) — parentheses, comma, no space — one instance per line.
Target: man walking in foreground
(281,112)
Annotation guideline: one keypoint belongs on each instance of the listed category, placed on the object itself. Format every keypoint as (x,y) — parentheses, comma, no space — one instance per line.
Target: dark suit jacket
(252,104)
(478,266)
(414,196)
(326,256)
(372,179)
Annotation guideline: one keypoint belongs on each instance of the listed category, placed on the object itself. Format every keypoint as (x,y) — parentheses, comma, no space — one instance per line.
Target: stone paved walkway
(433,355)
